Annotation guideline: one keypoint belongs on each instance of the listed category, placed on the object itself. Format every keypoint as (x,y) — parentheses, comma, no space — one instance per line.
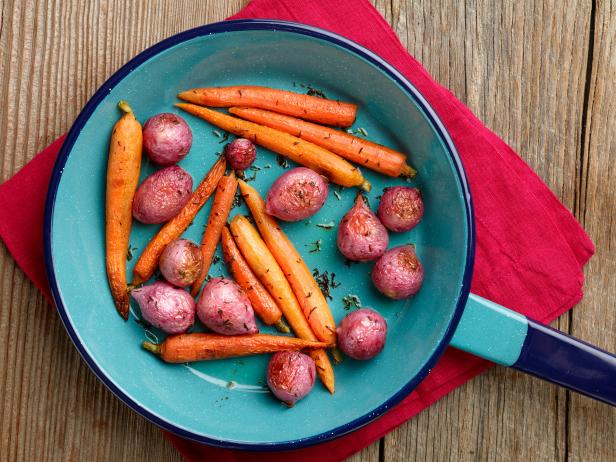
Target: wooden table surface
(541,74)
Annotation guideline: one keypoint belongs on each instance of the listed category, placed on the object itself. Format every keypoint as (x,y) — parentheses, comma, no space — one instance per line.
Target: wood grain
(590,423)
(539,73)
(504,60)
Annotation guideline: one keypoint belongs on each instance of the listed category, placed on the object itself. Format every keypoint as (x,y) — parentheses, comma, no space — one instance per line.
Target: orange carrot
(363,152)
(173,229)
(223,202)
(262,302)
(184,348)
(308,154)
(122,177)
(321,110)
(264,265)
(304,286)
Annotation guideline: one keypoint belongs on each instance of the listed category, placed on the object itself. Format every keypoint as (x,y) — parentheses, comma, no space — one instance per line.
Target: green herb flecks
(316,246)
(282,161)
(357,131)
(311,91)
(338,196)
(351,301)
(325,282)
(225,138)
(130,252)
(237,201)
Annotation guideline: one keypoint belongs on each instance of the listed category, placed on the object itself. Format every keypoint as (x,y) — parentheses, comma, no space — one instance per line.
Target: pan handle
(508,338)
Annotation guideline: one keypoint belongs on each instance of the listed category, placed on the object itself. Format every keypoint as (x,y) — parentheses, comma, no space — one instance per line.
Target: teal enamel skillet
(225,403)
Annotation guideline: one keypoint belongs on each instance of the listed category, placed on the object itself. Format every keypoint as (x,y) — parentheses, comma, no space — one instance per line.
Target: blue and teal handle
(508,338)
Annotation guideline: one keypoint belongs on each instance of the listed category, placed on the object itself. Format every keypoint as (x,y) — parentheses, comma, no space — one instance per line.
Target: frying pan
(225,403)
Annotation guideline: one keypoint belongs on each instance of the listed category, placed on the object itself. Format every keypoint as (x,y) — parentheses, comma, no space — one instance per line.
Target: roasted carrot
(184,348)
(303,152)
(304,286)
(173,229)
(264,305)
(264,265)
(363,152)
(122,177)
(223,202)
(321,110)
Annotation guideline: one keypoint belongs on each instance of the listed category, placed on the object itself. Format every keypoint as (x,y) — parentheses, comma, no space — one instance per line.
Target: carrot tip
(366,186)
(124,107)
(408,171)
(151,347)
(282,326)
(185,95)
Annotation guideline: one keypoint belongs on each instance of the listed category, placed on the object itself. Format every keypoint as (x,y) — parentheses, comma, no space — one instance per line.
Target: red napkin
(530,249)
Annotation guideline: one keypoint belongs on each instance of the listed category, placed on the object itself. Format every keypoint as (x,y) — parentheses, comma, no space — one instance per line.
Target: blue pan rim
(242,25)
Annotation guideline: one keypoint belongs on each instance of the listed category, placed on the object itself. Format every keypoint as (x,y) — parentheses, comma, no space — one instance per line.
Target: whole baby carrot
(361,151)
(122,177)
(321,110)
(184,348)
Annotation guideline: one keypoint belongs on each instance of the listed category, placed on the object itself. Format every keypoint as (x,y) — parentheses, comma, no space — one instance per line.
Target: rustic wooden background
(542,74)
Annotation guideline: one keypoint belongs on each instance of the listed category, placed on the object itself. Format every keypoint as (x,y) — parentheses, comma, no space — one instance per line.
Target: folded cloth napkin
(530,249)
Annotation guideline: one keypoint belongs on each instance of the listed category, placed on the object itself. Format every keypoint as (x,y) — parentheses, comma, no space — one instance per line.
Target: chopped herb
(267,166)
(328,225)
(248,179)
(236,201)
(348,262)
(225,138)
(316,246)
(216,259)
(282,161)
(333,282)
(357,131)
(315,92)
(129,253)
(325,282)
(351,301)
(255,168)
(217,133)
(337,194)
(227,323)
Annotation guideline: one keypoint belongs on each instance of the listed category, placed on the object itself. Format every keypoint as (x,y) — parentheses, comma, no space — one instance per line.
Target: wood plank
(505,60)
(53,56)
(592,423)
